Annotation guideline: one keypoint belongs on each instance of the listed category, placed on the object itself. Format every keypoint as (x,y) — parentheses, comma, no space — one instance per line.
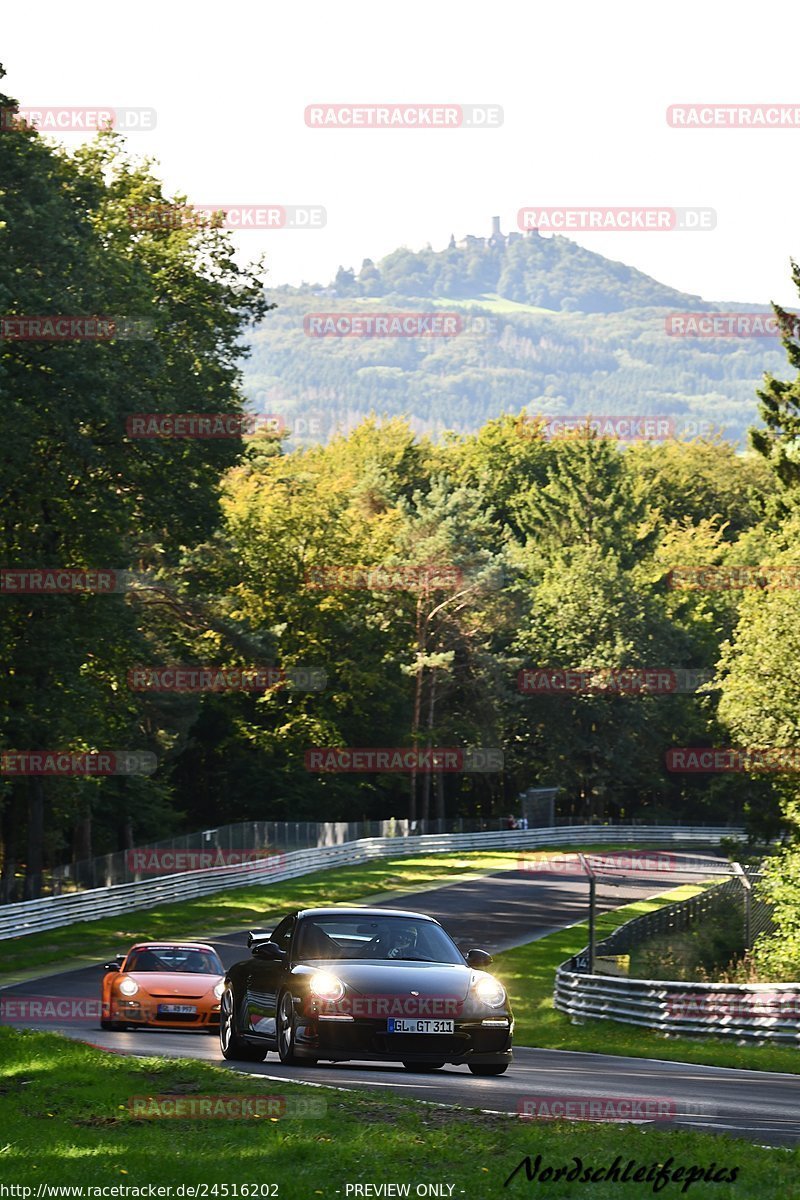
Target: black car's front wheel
(286,1028)
(488,1068)
(423,1066)
(234,1048)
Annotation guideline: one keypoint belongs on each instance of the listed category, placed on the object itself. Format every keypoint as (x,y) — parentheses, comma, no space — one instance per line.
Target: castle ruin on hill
(470,242)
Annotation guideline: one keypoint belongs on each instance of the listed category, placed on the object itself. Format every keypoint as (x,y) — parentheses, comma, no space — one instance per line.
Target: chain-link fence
(736,895)
(244,841)
(250,840)
(592,987)
(254,839)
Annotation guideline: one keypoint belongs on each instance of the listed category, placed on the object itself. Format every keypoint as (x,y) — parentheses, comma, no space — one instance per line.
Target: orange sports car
(175,985)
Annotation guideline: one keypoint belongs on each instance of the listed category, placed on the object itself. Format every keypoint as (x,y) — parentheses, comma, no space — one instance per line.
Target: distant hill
(551,328)
(552,273)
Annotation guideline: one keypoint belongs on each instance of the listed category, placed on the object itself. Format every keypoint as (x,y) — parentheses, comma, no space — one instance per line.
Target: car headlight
(219,988)
(128,987)
(326,986)
(489,991)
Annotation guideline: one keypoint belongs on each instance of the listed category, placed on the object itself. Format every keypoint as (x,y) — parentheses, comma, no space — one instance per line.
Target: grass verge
(529,972)
(66,1120)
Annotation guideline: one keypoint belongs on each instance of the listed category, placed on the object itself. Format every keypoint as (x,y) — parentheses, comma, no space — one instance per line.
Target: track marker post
(592,907)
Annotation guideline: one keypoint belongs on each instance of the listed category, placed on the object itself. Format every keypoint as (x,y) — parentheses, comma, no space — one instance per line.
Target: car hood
(397,978)
(173,983)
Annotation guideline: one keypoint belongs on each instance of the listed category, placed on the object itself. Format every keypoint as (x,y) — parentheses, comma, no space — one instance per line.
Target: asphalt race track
(496,912)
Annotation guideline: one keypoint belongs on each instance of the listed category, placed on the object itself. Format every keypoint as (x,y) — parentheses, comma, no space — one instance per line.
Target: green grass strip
(66,1119)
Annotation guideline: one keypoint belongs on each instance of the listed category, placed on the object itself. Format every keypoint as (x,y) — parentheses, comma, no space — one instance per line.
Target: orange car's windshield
(175,958)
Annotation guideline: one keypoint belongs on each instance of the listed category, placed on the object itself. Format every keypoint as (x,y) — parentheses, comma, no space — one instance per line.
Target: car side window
(282,936)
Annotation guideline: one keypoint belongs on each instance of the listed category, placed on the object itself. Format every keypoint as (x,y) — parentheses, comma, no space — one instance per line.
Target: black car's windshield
(390,939)
(175,958)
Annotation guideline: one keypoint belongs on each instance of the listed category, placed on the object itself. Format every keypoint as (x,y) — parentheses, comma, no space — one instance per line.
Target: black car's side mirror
(112,966)
(269,951)
(478,958)
(257,935)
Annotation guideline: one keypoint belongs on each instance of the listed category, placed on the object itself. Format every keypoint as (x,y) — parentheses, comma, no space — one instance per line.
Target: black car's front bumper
(472,1041)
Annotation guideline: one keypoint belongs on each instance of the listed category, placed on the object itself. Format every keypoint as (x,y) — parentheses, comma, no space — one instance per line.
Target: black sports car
(368,984)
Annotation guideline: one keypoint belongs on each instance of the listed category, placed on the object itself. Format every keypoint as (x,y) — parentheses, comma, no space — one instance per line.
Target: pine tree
(780,404)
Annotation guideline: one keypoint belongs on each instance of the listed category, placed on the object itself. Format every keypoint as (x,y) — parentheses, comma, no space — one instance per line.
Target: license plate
(423,1025)
(177,1008)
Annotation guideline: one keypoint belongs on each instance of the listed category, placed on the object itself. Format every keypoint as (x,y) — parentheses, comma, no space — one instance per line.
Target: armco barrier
(53,912)
(769,1011)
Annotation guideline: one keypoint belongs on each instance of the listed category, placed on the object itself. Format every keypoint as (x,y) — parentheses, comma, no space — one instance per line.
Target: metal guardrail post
(748,903)
(592,908)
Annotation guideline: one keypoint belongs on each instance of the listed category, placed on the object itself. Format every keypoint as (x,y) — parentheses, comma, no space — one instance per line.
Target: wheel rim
(226,1021)
(285,1024)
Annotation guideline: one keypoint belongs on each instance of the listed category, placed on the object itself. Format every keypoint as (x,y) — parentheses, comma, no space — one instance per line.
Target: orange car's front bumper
(146,1012)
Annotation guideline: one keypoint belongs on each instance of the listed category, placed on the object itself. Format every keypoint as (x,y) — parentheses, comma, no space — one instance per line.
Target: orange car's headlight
(128,987)
(219,988)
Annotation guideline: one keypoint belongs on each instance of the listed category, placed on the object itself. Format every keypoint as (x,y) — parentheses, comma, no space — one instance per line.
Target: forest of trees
(580,334)
(552,554)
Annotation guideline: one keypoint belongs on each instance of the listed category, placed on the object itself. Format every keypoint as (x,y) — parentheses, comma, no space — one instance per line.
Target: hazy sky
(584,90)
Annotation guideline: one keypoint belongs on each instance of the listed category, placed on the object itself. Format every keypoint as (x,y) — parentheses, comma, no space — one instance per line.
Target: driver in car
(399,940)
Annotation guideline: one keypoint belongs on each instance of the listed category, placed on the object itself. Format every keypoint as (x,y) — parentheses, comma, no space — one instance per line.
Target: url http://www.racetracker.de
(181,1191)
